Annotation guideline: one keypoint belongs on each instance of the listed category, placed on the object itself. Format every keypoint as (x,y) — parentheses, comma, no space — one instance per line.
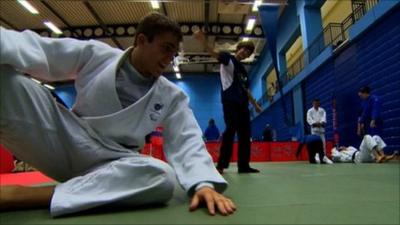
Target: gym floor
(283,193)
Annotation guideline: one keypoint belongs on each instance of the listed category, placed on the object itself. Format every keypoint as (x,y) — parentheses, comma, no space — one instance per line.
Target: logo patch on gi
(153,117)
(158,106)
(155,112)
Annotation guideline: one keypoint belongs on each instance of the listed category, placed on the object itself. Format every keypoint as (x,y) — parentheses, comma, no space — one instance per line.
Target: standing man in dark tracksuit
(235,98)
(370,121)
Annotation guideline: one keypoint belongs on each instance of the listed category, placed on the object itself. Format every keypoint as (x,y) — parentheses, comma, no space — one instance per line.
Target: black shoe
(220,170)
(248,170)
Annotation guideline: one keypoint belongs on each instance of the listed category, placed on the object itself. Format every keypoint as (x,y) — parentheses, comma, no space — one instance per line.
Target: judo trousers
(367,145)
(237,119)
(90,171)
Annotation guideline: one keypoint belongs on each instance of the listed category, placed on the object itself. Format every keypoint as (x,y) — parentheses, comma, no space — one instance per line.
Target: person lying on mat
(92,150)
(370,150)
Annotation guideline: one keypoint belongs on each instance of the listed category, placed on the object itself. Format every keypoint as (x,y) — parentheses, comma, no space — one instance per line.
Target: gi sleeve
(186,151)
(310,119)
(48,58)
(335,154)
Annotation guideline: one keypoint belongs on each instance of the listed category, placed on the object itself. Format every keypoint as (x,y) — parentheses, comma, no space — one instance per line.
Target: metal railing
(333,35)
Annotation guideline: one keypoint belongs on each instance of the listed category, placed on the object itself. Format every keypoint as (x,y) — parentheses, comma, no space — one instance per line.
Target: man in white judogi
(93,150)
(370,150)
(316,118)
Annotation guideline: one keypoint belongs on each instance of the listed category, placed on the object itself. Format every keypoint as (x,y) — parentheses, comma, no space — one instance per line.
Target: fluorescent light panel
(256,4)
(28,6)
(52,27)
(250,24)
(245,39)
(155,4)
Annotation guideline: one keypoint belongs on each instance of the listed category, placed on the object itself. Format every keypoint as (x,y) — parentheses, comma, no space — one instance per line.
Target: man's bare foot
(380,159)
(390,157)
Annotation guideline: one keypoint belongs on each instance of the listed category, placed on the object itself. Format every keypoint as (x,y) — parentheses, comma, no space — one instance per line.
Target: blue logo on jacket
(155,112)
(158,106)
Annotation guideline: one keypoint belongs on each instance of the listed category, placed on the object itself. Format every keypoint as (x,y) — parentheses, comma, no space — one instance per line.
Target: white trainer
(327,160)
(317,158)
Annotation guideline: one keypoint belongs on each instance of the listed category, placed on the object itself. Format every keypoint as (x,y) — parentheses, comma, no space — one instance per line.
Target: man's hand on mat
(212,199)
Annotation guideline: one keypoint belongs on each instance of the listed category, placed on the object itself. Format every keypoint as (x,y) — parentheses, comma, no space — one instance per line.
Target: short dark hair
(249,45)
(316,100)
(211,121)
(365,90)
(154,24)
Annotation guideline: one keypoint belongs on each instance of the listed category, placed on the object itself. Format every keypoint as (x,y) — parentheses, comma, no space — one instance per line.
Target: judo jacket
(93,65)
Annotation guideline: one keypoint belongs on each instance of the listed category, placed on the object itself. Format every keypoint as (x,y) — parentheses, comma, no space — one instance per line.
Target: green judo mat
(283,193)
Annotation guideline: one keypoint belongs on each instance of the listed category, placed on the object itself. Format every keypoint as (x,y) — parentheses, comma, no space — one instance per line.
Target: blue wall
(288,32)
(369,59)
(204,92)
(275,117)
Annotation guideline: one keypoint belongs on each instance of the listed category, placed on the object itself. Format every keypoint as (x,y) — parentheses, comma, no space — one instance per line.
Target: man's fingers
(214,201)
(222,207)
(210,203)
(194,203)
(231,204)
(227,207)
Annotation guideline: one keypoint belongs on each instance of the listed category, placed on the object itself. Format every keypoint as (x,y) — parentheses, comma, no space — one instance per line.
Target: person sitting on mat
(92,150)
(212,132)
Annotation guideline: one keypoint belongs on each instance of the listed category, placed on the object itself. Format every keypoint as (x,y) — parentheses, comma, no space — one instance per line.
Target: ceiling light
(53,27)
(256,4)
(178,75)
(250,24)
(155,4)
(245,39)
(28,6)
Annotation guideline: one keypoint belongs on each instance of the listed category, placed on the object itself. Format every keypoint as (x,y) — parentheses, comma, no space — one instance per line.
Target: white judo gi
(363,154)
(317,116)
(84,149)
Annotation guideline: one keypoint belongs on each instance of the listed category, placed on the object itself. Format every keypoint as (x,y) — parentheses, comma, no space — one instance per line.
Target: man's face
(316,104)
(363,95)
(243,53)
(155,56)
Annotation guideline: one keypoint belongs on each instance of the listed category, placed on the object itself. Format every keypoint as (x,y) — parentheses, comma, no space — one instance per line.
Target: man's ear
(141,39)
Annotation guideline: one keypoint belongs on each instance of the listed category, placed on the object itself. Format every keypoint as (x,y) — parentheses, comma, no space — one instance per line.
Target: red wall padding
(260,151)
(6,160)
